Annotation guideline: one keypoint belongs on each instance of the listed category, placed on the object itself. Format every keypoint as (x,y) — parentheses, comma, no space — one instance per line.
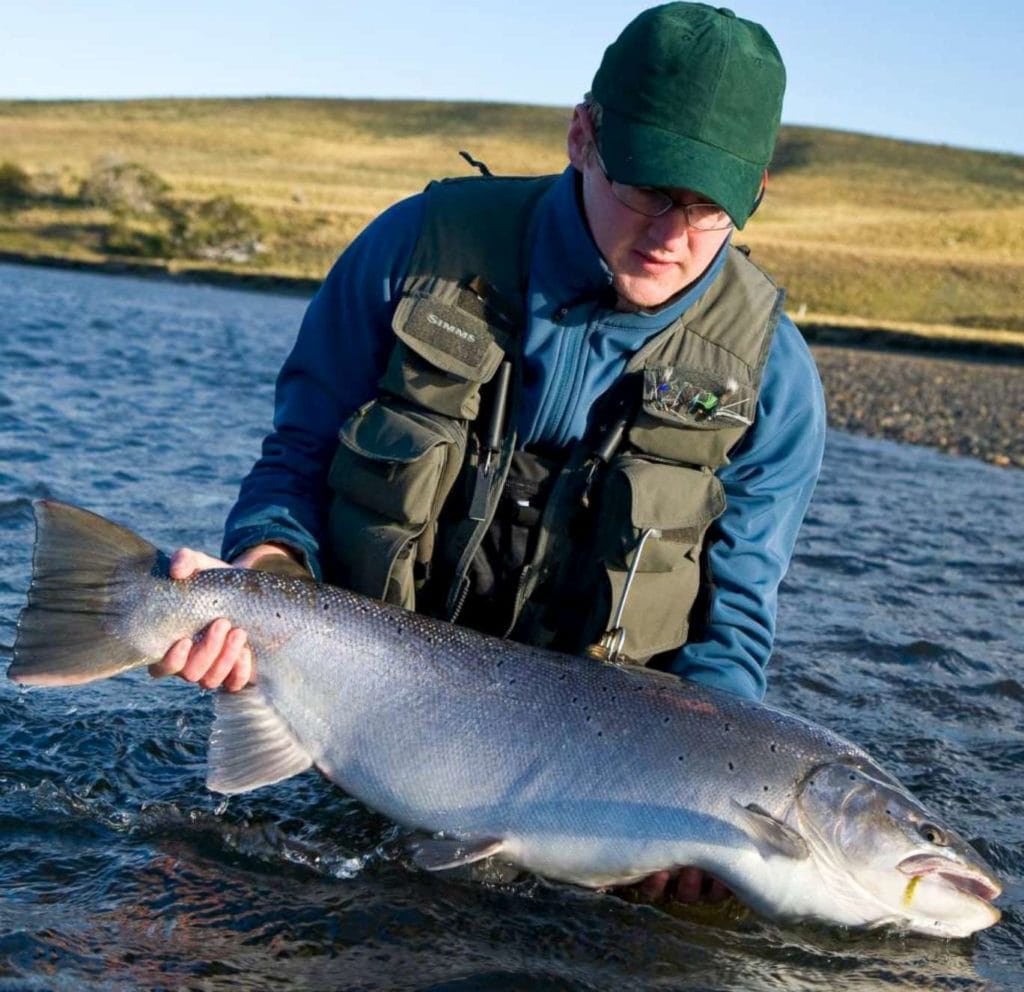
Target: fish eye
(932,834)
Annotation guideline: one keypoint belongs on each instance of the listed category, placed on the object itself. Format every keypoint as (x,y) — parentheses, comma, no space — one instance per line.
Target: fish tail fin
(82,565)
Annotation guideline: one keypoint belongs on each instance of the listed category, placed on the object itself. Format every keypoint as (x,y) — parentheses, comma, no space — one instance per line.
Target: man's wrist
(272,556)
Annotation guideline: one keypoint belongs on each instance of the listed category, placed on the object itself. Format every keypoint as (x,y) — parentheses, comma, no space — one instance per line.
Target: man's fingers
(221,657)
(229,656)
(652,888)
(206,650)
(173,661)
(243,673)
(186,561)
(687,888)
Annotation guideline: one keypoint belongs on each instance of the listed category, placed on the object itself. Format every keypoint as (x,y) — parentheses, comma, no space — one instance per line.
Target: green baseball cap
(691,96)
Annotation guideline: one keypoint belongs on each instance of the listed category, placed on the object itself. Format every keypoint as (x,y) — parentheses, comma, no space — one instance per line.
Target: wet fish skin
(585,772)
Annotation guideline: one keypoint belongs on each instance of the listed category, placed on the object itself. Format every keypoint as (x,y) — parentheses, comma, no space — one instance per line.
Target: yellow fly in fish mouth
(866,834)
(908,895)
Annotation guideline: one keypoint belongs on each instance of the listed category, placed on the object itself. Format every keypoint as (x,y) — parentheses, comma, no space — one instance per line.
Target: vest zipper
(520,598)
(460,600)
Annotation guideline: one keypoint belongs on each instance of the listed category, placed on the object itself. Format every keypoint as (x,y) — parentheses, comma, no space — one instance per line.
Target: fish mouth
(970,879)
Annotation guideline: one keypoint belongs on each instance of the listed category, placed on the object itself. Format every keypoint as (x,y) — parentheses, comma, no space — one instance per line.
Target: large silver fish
(590,773)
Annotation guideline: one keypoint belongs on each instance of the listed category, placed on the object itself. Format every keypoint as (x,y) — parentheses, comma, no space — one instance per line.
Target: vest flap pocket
(397,462)
(448,337)
(675,502)
(384,565)
(656,616)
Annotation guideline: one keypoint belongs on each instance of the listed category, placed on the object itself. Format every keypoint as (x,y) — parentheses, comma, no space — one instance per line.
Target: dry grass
(853,225)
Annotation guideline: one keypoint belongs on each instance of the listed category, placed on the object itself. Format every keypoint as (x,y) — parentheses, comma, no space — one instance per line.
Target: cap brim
(641,154)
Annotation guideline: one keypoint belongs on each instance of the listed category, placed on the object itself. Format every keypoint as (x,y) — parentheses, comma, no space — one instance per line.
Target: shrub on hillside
(123,186)
(15,185)
(220,230)
(138,238)
(217,230)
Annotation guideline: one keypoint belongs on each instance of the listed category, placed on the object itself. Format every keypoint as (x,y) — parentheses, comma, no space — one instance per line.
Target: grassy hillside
(853,225)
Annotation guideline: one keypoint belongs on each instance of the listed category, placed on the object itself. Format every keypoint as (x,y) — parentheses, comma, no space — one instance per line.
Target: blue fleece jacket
(575,348)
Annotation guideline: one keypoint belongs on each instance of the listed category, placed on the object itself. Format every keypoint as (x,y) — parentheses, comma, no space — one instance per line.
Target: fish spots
(908,892)
(666,719)
(773,748)
(728,728)
(732,767)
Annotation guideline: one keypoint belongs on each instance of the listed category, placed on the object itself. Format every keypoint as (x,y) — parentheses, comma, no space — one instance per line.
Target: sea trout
(581,771)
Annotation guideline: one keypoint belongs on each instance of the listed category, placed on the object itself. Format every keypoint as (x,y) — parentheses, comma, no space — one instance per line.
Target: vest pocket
(693,416)
(673,506)
(443,353)
(390,475)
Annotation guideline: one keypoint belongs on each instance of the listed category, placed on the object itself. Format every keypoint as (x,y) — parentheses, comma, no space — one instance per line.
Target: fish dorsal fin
(770,835)
(250,745)
(441,853)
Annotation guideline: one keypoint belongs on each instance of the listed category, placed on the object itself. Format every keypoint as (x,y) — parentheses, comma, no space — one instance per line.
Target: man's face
(651,258)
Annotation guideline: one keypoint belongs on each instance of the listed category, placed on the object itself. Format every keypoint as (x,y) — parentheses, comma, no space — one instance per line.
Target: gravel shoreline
(964,406)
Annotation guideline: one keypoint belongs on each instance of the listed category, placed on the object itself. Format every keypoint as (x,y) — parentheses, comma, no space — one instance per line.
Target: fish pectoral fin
(770,835)
(440,853)
(250,744)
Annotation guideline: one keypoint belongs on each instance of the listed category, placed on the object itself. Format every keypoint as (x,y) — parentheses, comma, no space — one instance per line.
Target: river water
(901,627)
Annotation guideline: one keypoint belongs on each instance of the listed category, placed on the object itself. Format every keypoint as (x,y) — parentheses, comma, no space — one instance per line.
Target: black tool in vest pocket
(491,444)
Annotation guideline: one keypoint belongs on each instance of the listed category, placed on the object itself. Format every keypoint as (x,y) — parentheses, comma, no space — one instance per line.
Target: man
(569,410)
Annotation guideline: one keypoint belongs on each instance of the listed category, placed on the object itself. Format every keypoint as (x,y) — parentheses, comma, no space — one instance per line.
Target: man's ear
(760,194)
(578,138)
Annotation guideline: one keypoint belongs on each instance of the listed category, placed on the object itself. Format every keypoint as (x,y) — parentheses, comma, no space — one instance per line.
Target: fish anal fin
(771,836)
(441,853)
(250,744)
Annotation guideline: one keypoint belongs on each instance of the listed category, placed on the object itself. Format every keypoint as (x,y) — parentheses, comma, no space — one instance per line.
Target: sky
(928,70)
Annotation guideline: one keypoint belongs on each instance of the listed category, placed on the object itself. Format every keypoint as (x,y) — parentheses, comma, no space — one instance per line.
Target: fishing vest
(421,471)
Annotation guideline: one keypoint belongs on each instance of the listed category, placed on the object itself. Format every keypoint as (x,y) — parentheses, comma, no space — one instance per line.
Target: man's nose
(670,228)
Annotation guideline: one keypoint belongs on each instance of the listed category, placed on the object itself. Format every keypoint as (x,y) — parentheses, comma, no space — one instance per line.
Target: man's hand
(220,657)
(689,885)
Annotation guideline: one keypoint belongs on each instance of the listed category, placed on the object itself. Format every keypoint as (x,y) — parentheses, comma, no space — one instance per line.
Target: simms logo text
(458,331)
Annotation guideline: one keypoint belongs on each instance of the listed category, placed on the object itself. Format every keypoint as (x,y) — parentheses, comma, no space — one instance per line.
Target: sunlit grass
(853,225)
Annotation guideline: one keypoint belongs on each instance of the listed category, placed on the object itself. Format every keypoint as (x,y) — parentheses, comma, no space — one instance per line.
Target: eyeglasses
(653,202)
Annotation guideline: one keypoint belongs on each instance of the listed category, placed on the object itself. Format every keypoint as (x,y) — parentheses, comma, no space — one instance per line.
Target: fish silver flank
(586,772)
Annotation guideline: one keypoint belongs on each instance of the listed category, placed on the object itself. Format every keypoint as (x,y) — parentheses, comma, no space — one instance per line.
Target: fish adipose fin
(771,836)
(250,744)
(81,563)
(439,854)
